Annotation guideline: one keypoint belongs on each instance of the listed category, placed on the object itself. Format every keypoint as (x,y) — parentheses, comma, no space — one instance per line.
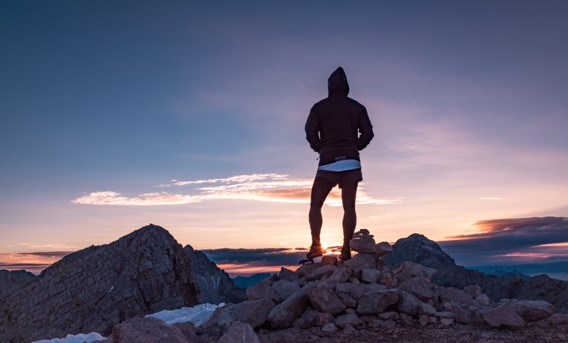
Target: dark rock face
(419,249)
(98,287)
(12,280)
(215,286)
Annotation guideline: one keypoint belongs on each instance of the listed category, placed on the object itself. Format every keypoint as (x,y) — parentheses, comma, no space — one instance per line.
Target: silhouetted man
(337,128)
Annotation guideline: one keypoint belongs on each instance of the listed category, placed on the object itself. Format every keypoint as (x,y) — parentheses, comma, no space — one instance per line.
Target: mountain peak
(418,248)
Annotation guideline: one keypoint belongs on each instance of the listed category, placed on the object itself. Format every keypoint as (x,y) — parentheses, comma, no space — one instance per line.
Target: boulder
(285,288)
(284,314)
(348,319)
(146,330)
(262,290)
(409,269)
(318,273)
(503,315)
(307,268)
(533,310)
(340,274)
(239,332)
(323,318)
(370,275)
(287,274)
(347,300)
(363,242)
(329,260)
(382,249)
(472,290)
(324,300)
(360,261)
(481,300)
(408,303)
(376,301)
(252,312)
(453,294)
(419,286)
(188,330)
(329,327)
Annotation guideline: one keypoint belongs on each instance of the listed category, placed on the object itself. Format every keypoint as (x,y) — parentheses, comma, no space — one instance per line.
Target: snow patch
(198,314)
(79,338)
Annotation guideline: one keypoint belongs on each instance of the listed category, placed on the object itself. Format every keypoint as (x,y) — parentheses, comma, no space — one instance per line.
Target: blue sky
(104,103)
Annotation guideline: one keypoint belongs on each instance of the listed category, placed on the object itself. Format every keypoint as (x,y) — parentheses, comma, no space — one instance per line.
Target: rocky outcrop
(343,296)
(419,249)
(12,280)
(98,287)
(214,284)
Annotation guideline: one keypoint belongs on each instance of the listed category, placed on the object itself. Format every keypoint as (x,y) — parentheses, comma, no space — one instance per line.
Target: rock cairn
(364,293)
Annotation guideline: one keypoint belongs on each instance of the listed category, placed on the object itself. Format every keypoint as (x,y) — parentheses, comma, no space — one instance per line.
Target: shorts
(344,178)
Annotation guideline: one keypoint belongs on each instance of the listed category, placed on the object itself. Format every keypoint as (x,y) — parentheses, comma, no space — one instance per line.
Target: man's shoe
(345,253)
(315,251)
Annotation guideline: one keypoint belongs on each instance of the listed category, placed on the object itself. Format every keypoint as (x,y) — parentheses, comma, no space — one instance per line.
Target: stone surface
(409,269)
(188,330)
(360,261)
(376,301)
(262,290)
(318,273)
(363,242)
(453,294)
(341,274)
(323,318)
(533,310)
(285,288)
(472,290)
(239,332)
(98,287)
(284,314)
(383,248)
(504,315)
(370,275)
(287,274)
(12,280)
(146,330)
(324,300)
(329,327)
(408,303)
(419,286)
(329,260)
(252,312)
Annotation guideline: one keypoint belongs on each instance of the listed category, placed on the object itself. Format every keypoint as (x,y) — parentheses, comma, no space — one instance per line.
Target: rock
(355,290)
(425,308)
(146,329)
(503,315)
(213,284)
(406,319)
(341,274)
(94,289)
(324,300)
(419,286)
(285,288)
(307,268)
(388,279)
(262,290)
(382,249)
(472,290)
(188,330)
(533,310)
(462,313)
(363,243)
(423,320)
(389,315)
(347,300)
(348,319)
(287,274)
(388,324)
(239,332)
(360,261)
(444,314)
(409,269)
(481,300)
(318,273)
(323,318)
(329,260)
(376,301)
(329,327)
(12,280)
(284,314)
(408,303)
(252,312)
(446,321)
(370,275)
(453,294)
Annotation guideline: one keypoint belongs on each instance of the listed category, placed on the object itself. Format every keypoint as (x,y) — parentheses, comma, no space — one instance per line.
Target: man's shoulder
(354,102)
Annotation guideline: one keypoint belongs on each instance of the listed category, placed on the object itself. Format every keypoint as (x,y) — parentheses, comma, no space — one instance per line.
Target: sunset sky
(190,115)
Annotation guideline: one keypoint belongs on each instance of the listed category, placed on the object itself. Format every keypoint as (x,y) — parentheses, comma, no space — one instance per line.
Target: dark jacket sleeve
(365,130)
(313,128)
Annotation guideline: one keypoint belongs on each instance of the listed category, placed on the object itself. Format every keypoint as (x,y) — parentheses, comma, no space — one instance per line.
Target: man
(337,128)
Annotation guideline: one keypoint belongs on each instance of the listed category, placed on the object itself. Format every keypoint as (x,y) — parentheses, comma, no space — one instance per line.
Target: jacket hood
(337,83)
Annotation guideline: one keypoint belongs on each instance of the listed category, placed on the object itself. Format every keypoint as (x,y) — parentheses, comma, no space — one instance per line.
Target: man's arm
(365,130)
(312,130)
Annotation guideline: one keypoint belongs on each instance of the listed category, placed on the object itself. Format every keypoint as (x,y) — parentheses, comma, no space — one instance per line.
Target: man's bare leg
(320,190)
(348,196)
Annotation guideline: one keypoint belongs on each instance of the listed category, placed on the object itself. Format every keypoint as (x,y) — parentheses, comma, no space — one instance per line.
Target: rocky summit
(419,249)
(12,280)
(98,287)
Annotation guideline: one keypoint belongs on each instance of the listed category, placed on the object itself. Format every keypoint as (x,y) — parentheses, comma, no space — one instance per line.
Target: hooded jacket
(338,126)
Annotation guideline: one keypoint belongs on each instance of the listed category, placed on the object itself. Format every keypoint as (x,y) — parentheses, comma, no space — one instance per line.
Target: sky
(190,115)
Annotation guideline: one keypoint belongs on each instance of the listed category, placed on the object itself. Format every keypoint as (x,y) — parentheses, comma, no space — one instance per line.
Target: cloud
(260,187)
(34,262)
(507,241)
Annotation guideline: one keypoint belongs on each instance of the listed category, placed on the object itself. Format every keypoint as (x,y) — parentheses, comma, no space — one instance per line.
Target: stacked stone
(363,293)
